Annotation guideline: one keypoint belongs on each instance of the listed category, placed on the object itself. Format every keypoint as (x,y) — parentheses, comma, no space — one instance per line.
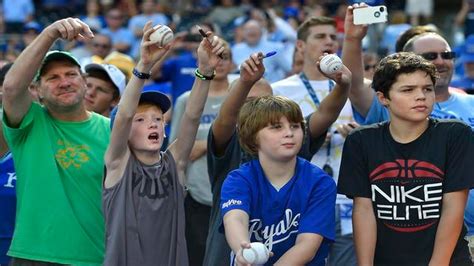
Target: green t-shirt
(59,167)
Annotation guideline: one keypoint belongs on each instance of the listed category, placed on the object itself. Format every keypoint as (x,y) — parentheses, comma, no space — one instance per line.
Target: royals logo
(10,178)
(275,233)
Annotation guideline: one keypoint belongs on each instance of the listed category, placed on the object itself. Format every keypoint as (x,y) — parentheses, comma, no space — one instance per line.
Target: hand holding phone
(370,15)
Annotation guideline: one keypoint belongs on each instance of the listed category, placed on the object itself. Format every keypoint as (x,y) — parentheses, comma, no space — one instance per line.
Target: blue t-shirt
(464,83)
(122,35)
(276,67)
(458,106)
(18,10)
(7,205)
(306,204)
(180,71)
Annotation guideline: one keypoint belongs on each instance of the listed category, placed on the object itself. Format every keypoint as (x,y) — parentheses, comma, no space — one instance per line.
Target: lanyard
(310,89)
(316,101)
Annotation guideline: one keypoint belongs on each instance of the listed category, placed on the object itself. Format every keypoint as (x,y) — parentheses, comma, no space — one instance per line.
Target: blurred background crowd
(118,26)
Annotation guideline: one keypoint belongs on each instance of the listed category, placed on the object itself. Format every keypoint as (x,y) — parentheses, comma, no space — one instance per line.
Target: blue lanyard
(316,101)
(310,89)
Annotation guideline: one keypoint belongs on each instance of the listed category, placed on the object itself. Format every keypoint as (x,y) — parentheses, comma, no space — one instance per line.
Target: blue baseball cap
(32,25)
(148,96)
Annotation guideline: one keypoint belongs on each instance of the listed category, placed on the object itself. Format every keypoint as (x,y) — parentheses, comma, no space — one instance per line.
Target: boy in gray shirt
(144,188)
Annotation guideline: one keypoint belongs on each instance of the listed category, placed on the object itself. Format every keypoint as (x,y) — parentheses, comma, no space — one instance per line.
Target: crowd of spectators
(111,58)
(119,24)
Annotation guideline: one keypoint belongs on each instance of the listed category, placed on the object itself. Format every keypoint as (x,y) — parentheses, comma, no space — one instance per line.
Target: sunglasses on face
(433,55)
(114,16)
(100,45)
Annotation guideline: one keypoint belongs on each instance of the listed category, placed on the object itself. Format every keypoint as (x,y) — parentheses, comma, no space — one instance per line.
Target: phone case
(370,15)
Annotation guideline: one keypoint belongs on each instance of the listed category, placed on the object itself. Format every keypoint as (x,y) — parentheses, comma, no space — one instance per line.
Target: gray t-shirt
(144,216)
(217,249)
(196,173)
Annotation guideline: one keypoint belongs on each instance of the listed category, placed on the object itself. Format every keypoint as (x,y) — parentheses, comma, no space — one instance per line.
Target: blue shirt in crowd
(305,204)
(7,205)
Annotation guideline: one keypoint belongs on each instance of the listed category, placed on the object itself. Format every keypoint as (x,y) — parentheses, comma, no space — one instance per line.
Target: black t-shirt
(406,183)
(217,249)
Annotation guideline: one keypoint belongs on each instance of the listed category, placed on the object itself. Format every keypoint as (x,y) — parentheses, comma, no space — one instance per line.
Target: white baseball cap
(116,76)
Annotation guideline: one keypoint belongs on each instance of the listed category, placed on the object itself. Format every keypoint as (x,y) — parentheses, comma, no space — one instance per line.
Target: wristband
(140,75)
(201,76)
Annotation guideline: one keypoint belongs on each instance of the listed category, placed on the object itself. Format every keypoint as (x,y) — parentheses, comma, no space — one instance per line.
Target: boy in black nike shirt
(409,177)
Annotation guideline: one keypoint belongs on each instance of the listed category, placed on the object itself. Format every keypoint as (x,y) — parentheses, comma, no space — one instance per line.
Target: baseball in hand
(330,63)
(162,35)
(258,253)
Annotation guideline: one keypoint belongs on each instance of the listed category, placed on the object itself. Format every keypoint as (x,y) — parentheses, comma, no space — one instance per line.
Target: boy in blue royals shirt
(278,199)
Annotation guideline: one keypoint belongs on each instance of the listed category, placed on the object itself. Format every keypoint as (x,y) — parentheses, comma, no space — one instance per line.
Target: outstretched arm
(461,15)
(332,104)
(304,250)
(236,224)
(223,127)
(16,98)
(117,152)
(361,95)
(208,57)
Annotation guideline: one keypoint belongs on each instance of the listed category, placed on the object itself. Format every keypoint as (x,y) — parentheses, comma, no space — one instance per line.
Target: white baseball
(330,63)
(162,35)
(258,253)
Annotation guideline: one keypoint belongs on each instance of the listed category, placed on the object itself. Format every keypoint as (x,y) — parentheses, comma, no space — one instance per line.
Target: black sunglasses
(433,55)
(101,45)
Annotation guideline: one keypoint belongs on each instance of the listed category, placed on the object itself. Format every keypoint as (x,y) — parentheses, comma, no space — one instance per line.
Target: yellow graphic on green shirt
(71,155)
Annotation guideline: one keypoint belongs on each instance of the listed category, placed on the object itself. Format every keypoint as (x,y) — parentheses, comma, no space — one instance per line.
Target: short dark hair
(303,29)
(392,66)
(410,33)
(261,112)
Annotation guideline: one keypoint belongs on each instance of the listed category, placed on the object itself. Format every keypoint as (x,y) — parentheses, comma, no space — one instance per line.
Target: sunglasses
(114,16)
(100,45)
(433,55)
(368,67)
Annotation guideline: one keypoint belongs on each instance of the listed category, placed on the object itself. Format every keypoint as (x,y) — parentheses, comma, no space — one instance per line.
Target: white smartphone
(370,15)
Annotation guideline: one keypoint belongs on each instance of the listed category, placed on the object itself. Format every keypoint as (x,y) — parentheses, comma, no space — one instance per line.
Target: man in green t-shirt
(58,150)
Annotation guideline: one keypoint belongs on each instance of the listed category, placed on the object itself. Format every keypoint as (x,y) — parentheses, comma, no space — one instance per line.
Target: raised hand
(69,29)
(252,69)
(208,53)
(343,77)
(351,30)
(150,52)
